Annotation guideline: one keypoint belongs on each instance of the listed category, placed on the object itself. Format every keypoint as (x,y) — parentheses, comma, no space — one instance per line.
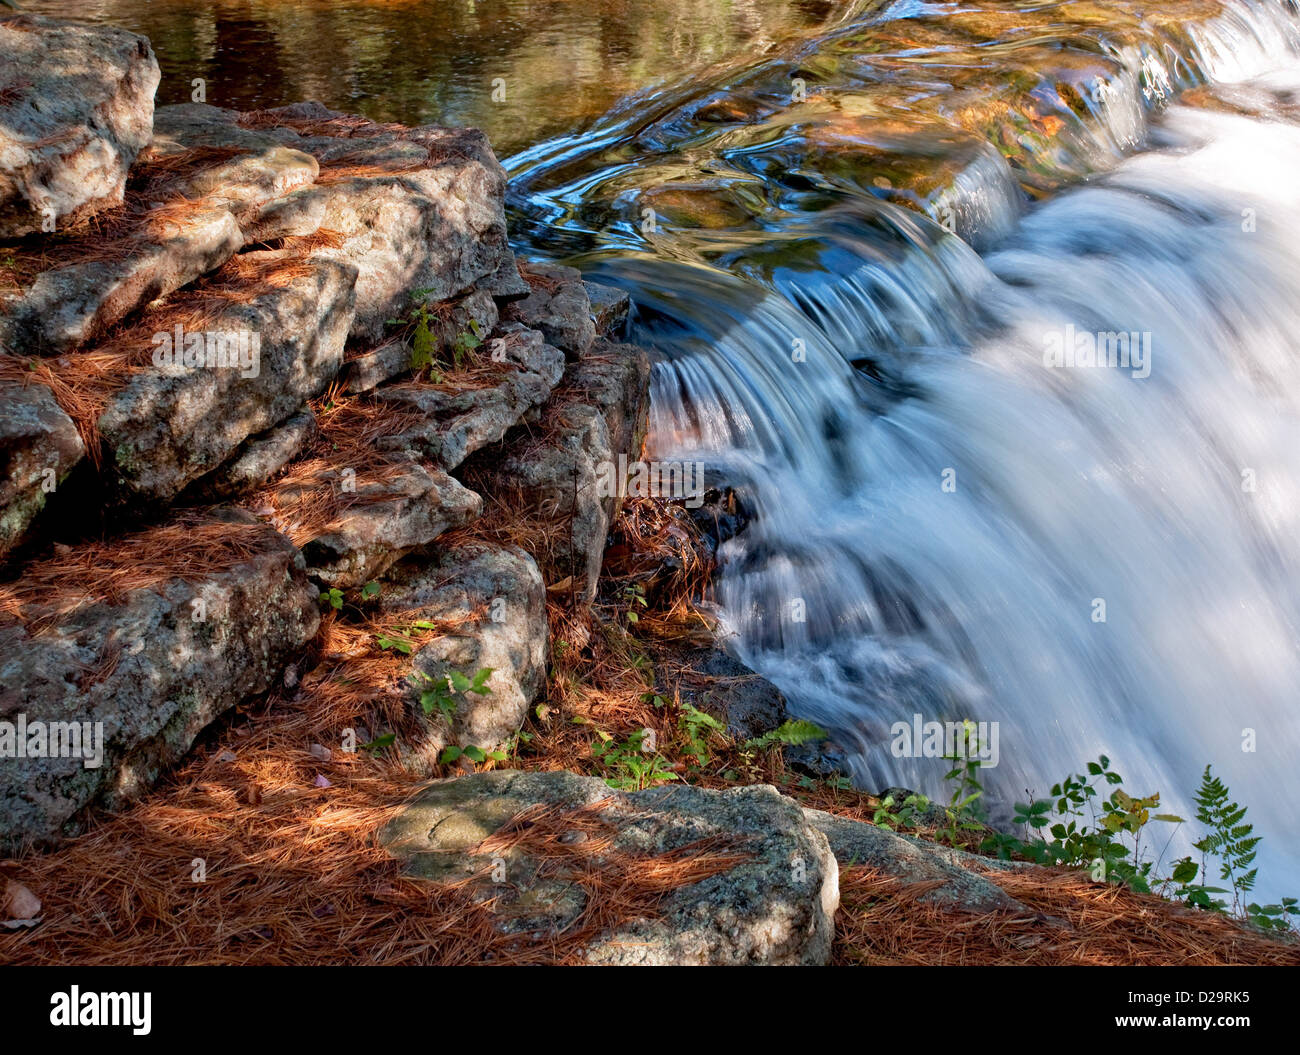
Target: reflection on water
(425,61)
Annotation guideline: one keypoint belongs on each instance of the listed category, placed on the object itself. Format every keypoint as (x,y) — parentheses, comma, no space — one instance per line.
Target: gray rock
(254,196)
(77,108)
(913,861)
(170,425)
(258,195)
(598,414)
(417,208)
(505,283)
(262,456)
(557,305)
(388,519)
(474,315)
(143,663)
(494,603)
(67,306)
(39,446)
(609,309)
(462,420)
(248,184)
(560,480)
(775,906)
(371,369)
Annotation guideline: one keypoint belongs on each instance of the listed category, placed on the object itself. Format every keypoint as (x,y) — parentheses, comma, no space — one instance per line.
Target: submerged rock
(139,658)
(773,904)
(76,107)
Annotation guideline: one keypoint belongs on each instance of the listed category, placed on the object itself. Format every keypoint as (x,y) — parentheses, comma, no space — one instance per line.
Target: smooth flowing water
(859,295)
(860,237)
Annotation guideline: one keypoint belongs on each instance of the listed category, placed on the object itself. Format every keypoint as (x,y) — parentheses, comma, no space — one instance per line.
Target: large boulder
(417,209)
(67,306)
(76,107)
(171,424)
(197,204)
(39,445)
(490,605)
(772,900)
(140,643)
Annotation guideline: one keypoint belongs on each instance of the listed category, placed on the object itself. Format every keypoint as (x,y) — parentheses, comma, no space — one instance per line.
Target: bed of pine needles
(261,848)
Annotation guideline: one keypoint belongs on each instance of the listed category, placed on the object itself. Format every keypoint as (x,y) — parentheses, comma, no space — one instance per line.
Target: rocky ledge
(243,358)
(274,383)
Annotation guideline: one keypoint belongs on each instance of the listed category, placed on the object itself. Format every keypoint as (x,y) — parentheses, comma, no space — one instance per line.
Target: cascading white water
(940,515)
(869,592)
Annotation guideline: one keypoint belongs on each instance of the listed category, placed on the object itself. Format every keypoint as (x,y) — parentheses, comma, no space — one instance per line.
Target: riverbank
(305,505)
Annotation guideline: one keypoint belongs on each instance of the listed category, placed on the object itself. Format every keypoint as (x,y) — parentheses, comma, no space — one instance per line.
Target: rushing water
(941,516)
(853,232)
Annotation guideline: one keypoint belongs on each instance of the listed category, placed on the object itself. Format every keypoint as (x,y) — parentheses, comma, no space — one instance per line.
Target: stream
(989,311)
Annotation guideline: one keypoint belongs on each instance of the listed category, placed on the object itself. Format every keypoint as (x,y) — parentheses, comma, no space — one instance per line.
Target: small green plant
(475,754)
(633,596)
(1090,827)
(423,343)
(1230,838)
(963,809)
(377,744)
(369,590)
(892,814)
(444,694)
(333,597)
(627,766)
(401,638)
(466,341)
(697,726)
(791,733)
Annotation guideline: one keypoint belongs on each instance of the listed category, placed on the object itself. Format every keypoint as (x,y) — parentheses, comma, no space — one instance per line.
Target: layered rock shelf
(241,359)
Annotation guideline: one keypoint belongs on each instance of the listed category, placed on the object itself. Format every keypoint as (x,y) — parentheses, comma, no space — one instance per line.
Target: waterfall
(951,519)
